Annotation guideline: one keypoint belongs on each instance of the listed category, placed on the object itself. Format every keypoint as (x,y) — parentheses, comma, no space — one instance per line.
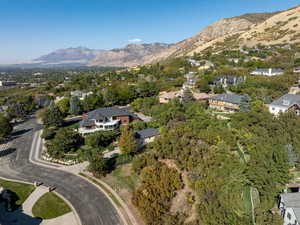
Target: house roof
(87,123)
(229,78)
(291,199)
(266,70)
(286,101)
(169,95)
(147,133)
(76,93)
(201,96)
(103,113)
(231,98)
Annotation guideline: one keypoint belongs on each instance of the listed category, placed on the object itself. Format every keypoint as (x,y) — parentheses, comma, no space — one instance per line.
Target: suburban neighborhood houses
(205,131)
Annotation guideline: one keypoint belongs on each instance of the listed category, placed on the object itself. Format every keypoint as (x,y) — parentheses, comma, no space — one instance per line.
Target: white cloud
(135,40)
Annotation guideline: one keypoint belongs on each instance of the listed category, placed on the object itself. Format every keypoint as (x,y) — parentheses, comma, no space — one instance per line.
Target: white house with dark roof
(285,103)
(103,119)
(146,136)
(289,206)
(228,80)
(296,69)
(190,81)
(80,94)
(267,72)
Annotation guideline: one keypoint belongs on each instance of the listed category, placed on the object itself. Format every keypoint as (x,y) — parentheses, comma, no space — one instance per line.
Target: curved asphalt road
(90,203)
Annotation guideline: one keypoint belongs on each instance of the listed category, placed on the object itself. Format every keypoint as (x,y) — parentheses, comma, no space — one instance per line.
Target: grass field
(22,190)
(50,206)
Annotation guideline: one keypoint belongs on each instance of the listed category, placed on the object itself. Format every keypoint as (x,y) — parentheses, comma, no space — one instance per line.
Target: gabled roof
(107,112)
(231,98)
(273,70)
(291,199)
(147,133)
(286,101)
(87,123)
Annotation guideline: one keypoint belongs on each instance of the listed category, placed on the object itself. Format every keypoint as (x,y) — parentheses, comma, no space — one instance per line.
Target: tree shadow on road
(20,132)
(7,152)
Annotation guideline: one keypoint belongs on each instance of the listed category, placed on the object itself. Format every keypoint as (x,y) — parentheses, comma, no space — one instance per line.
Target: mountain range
(230,33)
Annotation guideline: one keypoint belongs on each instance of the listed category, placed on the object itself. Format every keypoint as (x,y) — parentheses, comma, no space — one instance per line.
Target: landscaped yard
(22,190)
(50,206)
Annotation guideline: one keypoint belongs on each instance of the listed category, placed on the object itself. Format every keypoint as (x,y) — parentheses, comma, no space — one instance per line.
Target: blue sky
(30,28)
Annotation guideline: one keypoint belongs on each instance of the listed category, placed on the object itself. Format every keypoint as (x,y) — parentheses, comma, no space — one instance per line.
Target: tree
(245,104)
(92,102)
(65,140)
(205,88)
(75,107)
(5,127)
(53,117)
(127,141)
(219,90)
(101,138)
(98,165)
(64,105)
(187,96)
(147,89)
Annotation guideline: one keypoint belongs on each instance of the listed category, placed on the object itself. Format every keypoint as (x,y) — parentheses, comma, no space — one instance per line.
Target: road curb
(59,195)
(40,162)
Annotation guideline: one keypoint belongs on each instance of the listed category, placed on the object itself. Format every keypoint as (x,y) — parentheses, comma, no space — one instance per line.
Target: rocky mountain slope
(130,55)
(233,33)
(211,32)
(282,28)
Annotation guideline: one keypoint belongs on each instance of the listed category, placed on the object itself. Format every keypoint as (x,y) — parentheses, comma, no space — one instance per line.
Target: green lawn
(22,190)
(50,206)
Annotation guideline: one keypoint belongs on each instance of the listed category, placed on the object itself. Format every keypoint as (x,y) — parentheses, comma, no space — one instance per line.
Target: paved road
(92,206)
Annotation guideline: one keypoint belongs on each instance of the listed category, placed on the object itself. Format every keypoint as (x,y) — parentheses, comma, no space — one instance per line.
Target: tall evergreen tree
(127,141)
(187,96)
(75,107)
(53,117)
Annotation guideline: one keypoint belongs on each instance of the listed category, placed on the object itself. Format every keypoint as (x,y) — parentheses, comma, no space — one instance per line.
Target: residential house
(194,62)
(289,206)
(165,97)
(228,80)
(102,119)
(285,103)
(296,69)
(43,100)
(234,60)
(80,94)
(225,102)
(201,97)
(190,81)
(205,65)
(267,72)
(146,136)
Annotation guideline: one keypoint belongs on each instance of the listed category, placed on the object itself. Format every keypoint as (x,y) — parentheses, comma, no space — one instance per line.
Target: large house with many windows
(225,102)
(285,103)
(103,119)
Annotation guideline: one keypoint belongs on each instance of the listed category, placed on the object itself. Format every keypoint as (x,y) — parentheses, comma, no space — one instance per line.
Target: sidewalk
(33,198)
